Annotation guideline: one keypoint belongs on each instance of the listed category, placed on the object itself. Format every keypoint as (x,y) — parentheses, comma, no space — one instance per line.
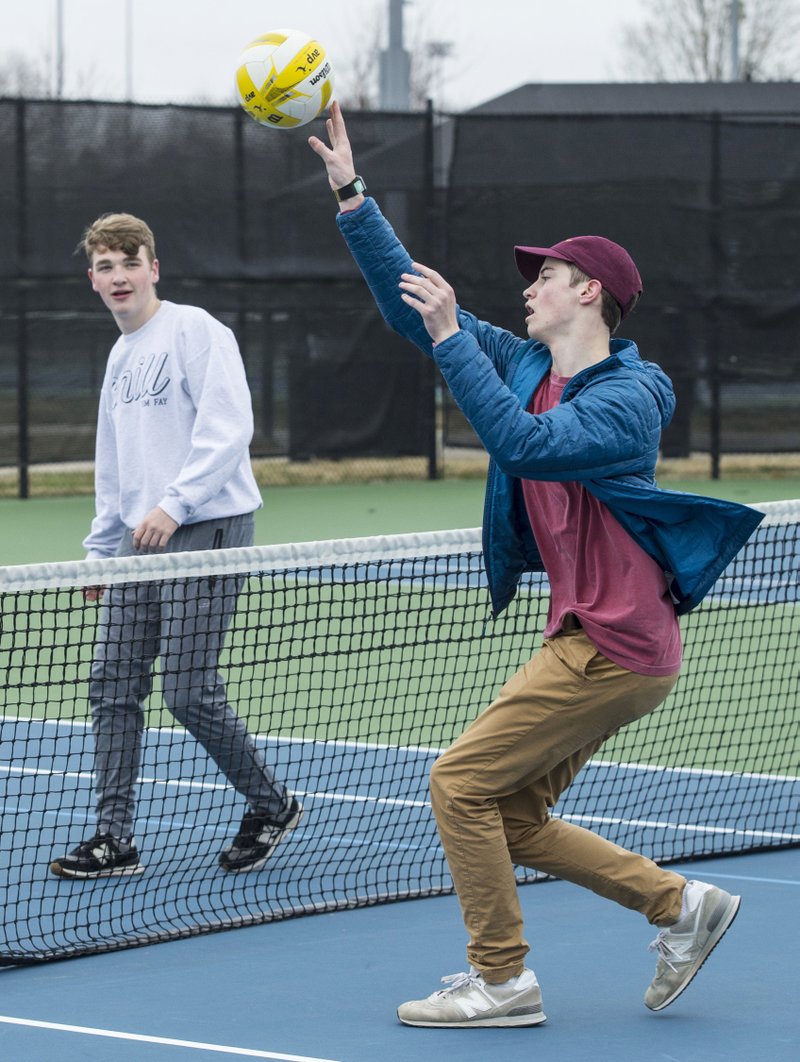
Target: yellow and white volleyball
(283,79)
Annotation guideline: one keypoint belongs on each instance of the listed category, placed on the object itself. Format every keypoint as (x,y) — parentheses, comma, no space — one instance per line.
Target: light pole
(128,51)
(59,86)
(734,41)
(395,64)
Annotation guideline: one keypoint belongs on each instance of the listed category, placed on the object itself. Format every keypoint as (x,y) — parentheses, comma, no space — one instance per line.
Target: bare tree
(33,78)
(690,40)
(21,76)
(356,78)
(357,73)
(428,72)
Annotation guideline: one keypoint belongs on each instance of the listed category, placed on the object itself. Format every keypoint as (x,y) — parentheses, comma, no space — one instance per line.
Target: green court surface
(327,659)
(52,529)
(388,663)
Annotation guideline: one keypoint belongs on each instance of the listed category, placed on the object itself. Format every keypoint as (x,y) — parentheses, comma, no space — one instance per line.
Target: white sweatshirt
(173,428)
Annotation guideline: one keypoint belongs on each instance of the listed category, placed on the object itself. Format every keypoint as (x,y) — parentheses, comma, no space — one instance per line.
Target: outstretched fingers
(336,154)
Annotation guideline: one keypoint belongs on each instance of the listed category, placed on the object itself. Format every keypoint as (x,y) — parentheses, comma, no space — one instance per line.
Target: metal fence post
(430,374)
(23,401)
(717,268)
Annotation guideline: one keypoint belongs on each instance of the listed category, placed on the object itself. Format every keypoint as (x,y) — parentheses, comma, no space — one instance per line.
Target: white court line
(747,877)
(346,798)
(166,1041)
(350,798)
(686,827)
(654,768)
(711,772)
(188,784)
(268,739)
(177,783)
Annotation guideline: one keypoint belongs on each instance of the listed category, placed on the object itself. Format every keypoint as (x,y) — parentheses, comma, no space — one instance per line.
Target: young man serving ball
(572,419)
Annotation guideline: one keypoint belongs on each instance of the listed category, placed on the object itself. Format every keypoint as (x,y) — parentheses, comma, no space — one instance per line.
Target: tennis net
(353,664)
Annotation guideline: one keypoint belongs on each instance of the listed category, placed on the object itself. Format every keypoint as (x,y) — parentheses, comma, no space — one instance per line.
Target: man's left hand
(154,532)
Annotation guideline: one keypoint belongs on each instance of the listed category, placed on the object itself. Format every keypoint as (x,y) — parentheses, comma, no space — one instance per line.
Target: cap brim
(531,259)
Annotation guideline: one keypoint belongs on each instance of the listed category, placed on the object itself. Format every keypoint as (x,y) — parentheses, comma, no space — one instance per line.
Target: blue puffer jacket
(604,434)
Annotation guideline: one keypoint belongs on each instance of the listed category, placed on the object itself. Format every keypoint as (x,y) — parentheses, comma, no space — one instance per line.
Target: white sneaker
(684,947)
(469,1000)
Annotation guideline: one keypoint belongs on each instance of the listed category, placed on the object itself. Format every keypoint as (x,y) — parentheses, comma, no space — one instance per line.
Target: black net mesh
(351,665)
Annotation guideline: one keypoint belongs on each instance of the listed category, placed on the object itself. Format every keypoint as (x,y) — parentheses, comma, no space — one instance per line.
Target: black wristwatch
(350,191)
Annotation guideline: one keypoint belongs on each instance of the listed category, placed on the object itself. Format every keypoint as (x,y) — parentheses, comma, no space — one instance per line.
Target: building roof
(728,97)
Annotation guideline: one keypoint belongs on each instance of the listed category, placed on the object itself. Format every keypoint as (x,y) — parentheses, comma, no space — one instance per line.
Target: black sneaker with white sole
(257,839)
(99,857)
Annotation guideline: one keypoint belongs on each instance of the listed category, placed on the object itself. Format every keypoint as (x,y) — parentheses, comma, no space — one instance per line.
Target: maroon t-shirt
(598,572)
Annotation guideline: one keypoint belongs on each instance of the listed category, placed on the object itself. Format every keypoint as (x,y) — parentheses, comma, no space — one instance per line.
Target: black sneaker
(99,857)
(257,839)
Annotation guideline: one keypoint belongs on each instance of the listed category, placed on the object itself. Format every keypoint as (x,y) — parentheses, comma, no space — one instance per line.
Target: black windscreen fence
(709,207)
(244,220)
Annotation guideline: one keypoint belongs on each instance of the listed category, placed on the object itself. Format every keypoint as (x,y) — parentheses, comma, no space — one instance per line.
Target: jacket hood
(649,375)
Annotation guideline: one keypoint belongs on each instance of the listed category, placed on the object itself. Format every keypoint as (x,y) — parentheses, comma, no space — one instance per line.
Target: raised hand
(338,157)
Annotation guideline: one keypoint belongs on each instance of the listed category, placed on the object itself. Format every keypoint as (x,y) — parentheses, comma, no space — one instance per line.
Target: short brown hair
(610,309)
(118,232)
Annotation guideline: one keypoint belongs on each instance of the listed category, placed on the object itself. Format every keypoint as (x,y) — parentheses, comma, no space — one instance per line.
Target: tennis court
(324,988)
(698,778)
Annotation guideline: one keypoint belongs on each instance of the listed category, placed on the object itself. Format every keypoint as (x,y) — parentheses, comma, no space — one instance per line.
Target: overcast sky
(186,50)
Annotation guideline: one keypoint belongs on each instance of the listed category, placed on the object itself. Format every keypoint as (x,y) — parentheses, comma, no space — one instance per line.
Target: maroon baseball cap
(599,258)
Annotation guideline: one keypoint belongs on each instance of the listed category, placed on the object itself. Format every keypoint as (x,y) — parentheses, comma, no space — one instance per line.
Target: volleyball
(283,79)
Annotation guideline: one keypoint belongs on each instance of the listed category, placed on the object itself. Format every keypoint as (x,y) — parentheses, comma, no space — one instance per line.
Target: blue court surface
(367,821)
(325,987)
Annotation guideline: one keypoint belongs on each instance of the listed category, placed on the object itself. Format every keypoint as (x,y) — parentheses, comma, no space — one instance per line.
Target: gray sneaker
(470,1001)
(683,948)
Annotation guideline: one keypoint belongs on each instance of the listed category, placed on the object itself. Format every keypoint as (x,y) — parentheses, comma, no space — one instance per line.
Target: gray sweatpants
(184,622)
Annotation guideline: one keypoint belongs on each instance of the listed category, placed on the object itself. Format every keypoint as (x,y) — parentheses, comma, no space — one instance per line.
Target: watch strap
(351,190)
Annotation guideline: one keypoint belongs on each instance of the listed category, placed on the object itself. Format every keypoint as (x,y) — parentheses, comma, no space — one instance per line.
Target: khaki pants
(491,793)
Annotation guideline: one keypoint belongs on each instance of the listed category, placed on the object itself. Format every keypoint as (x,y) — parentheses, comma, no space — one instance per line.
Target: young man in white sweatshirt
(172,473)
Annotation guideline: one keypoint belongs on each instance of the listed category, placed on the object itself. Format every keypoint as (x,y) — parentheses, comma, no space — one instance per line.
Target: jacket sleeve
(604,431)
(382,258)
